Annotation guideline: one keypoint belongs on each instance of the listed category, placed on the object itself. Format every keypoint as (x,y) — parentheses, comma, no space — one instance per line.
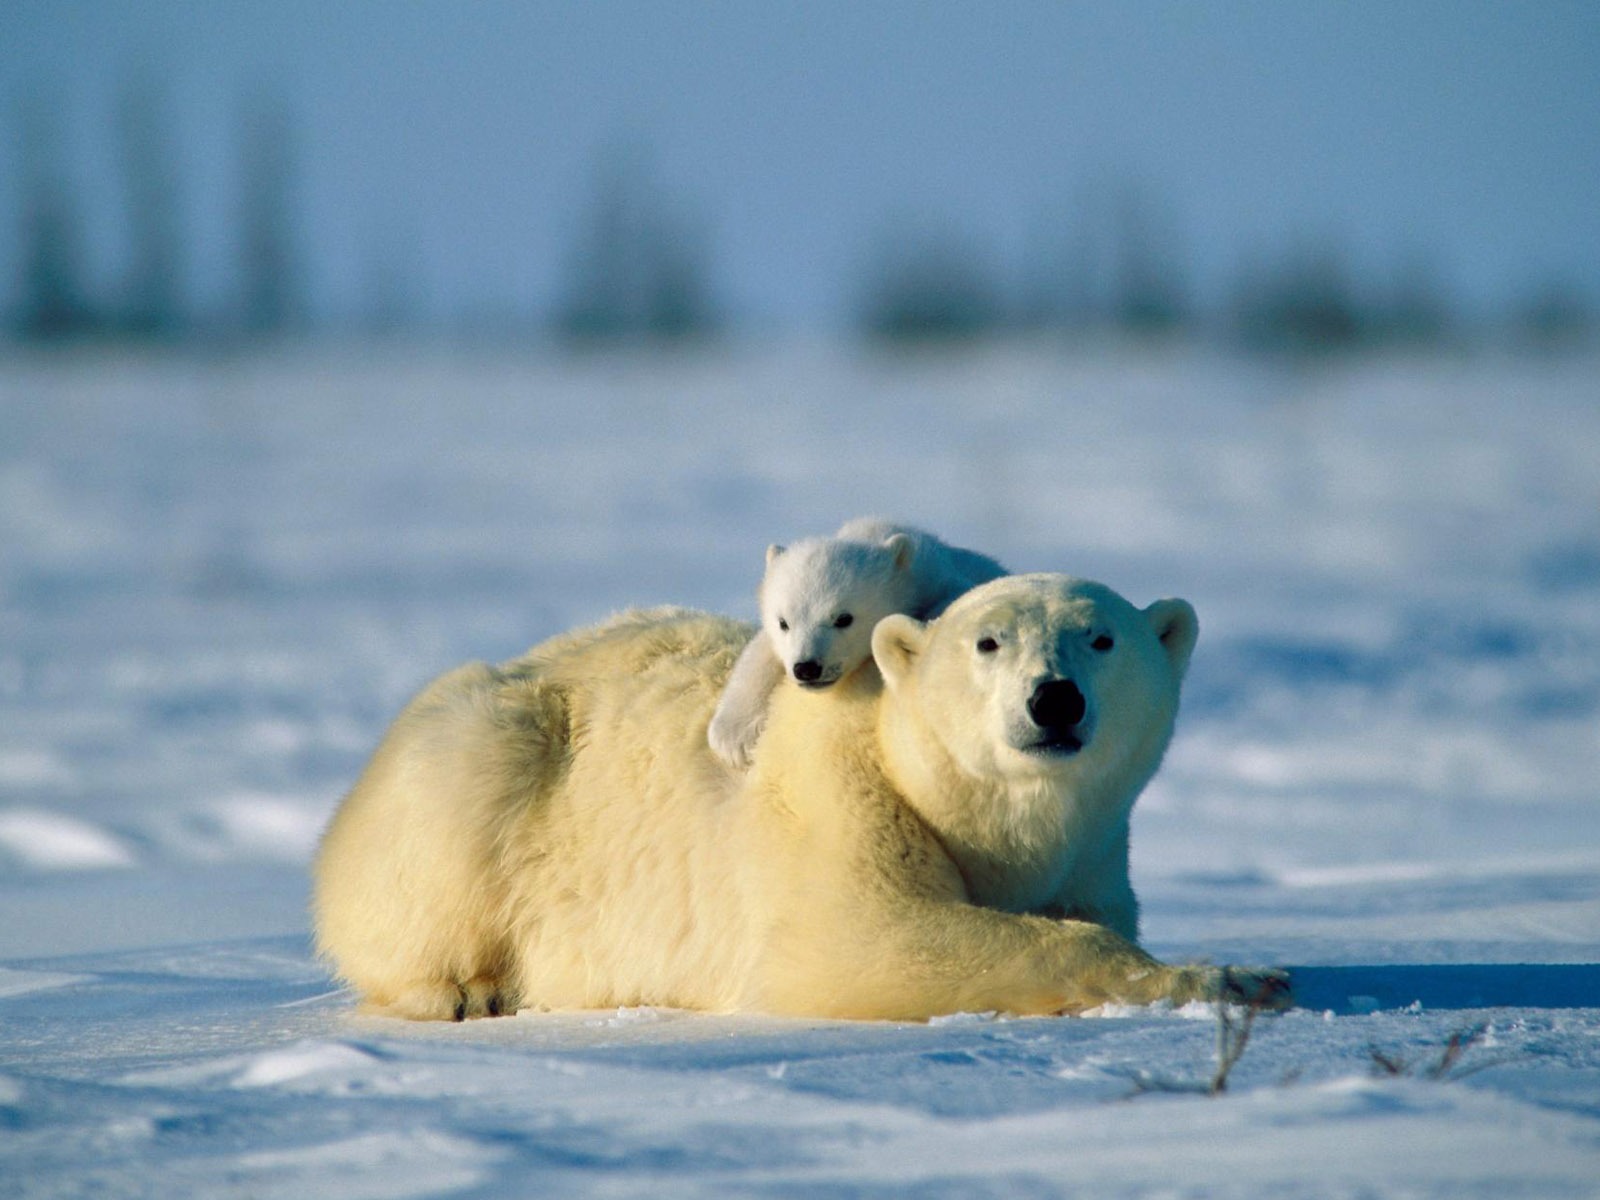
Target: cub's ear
(897,640)
(1176,624)
(903,549)
(774,551)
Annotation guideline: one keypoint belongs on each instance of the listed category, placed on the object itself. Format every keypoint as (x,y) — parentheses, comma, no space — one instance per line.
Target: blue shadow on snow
(1456,985)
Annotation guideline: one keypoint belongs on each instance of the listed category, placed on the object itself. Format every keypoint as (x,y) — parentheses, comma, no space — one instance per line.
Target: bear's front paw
(734,742)
(1264,988)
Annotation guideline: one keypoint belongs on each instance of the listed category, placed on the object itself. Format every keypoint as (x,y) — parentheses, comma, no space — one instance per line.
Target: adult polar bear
(556,833)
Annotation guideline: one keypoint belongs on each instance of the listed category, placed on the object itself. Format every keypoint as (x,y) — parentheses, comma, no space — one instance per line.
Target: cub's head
(1042,677)
(821,598)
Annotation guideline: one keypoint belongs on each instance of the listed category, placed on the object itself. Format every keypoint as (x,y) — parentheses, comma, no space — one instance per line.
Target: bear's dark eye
(843,621)
(783,625)
(987,645)
(1102,643)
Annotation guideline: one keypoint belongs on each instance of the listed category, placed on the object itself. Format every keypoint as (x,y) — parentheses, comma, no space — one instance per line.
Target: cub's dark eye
(987,645)
(843,621)
(783,625)
(1102,643)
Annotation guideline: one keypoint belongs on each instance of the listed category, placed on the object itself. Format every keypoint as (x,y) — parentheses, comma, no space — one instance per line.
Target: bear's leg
(742,711)
(924,959)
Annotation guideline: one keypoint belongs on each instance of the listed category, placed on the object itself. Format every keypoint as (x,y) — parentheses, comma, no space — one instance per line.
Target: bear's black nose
(809,671)
(1057,704)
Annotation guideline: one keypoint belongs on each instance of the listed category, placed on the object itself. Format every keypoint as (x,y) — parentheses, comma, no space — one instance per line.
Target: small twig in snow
(1446,1066)
(1233,1030)
(1234,1023)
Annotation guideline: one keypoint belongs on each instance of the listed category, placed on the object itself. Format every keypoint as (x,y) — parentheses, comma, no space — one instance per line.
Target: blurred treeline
(57,301)
(640,270)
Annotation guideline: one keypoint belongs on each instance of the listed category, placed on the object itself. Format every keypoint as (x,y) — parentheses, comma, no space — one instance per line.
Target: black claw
(494,1006)
(461,1012)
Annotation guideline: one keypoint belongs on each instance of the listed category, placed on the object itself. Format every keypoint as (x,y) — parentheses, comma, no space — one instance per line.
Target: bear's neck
(1016,843)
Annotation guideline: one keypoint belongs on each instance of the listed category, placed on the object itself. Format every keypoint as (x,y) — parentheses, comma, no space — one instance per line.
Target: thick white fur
(555,832)
(860,575)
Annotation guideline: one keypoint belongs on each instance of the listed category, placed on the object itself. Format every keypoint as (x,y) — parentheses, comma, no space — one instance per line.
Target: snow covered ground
(219,579)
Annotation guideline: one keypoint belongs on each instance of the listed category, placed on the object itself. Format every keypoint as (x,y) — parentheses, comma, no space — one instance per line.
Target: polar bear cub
(820,599)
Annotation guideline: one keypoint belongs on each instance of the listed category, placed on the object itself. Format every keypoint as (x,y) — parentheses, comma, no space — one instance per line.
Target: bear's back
(635,642)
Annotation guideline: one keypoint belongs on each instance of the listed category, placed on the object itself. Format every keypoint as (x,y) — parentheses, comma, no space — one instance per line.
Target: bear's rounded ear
(903,549)
(1177,626)
(773,552)
(897,640)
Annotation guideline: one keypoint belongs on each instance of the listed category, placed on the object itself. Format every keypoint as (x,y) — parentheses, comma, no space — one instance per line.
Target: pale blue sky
(457,142)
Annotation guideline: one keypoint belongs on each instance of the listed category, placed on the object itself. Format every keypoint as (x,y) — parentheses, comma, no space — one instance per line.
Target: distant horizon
(444,166)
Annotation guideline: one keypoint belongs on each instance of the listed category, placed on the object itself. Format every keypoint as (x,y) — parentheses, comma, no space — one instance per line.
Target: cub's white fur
(556,833)
(820,599)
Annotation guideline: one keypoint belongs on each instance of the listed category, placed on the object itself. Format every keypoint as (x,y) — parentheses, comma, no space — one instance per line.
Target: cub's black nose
(809,671)
(1056,704)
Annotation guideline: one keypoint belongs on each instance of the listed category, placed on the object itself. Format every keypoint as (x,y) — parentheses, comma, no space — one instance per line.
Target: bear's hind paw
(424,1000)
(445,1000)
(486,996)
